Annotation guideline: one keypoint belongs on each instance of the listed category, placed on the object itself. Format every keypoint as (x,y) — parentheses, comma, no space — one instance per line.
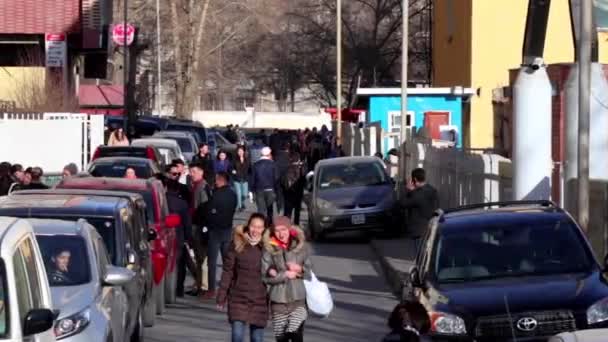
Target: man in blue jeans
(220,214)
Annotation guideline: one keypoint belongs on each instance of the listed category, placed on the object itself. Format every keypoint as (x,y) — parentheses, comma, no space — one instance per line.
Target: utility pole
(124,69)
(584,106)
(159,96)
(339,69)
(404,64)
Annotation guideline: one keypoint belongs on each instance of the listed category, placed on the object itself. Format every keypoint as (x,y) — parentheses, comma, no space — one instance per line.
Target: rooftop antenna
(510,318)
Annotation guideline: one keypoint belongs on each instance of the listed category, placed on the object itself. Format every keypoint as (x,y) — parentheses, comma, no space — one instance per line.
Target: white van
(25,298)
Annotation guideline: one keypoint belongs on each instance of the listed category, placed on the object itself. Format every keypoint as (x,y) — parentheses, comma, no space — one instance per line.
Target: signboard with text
(120,31)
(56,49)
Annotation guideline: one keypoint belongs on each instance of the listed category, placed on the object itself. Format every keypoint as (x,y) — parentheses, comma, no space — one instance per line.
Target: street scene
(304,170)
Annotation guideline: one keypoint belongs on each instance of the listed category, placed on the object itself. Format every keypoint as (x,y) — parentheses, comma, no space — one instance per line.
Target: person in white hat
(264,181)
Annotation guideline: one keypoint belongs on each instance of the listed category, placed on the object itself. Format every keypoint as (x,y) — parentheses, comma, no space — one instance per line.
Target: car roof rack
(542,203)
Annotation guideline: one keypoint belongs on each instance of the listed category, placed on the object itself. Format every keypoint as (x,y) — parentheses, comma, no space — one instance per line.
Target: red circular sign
(118,34)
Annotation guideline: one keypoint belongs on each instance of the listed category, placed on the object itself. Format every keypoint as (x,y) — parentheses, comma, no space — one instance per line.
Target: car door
(29,286)
(136,287)
(113,299)
(144,249)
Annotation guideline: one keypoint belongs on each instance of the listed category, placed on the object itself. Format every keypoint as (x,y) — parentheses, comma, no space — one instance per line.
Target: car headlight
(324,204)
(448,324)
(73,324)
(598,312)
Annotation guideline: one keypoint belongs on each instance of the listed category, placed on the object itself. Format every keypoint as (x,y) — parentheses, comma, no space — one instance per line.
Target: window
(351,175)
(24,299)
(33,270)
(4,317)
(67,260)
(394,118)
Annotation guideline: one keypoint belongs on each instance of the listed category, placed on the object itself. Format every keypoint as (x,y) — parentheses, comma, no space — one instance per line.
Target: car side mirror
(132,258)
(117,276)
(152,235)
(173,221)
(37,321)
(415,278)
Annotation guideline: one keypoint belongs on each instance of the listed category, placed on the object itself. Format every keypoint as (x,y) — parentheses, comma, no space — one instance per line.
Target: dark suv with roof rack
(508,271)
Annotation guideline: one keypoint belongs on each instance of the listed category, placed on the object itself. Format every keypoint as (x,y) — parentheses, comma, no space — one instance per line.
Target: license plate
(357,219)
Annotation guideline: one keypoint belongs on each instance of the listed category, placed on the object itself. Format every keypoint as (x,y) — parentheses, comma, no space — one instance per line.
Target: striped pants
(287,323)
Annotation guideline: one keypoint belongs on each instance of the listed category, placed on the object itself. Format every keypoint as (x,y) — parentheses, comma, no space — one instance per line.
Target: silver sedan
(85,287)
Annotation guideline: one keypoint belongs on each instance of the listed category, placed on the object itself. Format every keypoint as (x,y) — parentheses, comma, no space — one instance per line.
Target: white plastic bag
(318,297)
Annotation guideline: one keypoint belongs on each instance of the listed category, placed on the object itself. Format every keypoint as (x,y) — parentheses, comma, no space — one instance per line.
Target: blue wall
(379,106)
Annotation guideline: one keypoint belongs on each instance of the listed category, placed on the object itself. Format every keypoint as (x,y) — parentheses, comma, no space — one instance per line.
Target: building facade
(477,42)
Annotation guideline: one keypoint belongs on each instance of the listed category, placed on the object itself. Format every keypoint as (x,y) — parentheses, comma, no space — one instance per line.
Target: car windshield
(184,144)
(352,174)
(496,251)
(118,170)
(123,152)
(198,131)
(66,259)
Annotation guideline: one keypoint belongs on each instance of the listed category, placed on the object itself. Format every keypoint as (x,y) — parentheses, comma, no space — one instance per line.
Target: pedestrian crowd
(14,177)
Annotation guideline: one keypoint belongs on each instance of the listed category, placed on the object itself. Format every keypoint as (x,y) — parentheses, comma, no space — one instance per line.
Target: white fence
(357,141)
(466,177)
(253,119)
(50,140)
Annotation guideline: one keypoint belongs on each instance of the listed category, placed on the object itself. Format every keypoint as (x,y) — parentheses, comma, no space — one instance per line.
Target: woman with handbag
(285,266)
(241,287)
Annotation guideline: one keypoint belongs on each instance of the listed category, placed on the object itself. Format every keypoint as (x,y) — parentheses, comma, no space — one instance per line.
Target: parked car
(164,248)
(148,152)
(169,148)
(112,217)
(197,128)
(185,140)
(594,335)
(117,167)
(217,142)
(510,270)
(79,272)
(26,306)
(141,239)
(352,193)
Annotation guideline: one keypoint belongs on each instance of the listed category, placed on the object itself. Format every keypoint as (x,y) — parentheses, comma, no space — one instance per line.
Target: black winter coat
(221,208)
(420,205)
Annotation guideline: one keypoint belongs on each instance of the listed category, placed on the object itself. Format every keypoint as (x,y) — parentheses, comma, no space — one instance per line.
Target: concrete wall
(263,119)
(463,177)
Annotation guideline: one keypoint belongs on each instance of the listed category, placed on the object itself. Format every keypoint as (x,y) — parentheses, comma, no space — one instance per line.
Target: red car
(164,248)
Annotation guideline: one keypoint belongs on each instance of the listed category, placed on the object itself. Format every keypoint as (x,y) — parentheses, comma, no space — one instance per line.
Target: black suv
(508,271)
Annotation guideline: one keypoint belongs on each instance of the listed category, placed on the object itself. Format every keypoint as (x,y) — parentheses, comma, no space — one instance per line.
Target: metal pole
(159,99)
(404,65)
(584,91)
(339,69)
(124,66)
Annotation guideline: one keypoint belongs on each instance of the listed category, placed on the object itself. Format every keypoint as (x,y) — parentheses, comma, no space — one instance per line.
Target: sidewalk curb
(395,278)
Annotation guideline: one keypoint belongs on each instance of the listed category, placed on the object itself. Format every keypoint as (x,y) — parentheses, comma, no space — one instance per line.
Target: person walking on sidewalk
(420,202)
(205,160)
(220,215)
(281,158)
(199,198)
(222,164)
(264,181)
(293,186)
(285,265)
(241,287)
(241,177)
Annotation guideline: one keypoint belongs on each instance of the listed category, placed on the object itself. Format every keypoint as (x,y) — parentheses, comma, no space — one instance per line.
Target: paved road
(361,297)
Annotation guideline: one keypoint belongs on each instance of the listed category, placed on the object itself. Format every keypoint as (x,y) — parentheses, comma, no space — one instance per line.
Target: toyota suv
(509,271)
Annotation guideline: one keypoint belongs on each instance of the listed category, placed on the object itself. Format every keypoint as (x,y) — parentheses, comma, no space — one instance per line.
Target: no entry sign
(55,48)
(118,34)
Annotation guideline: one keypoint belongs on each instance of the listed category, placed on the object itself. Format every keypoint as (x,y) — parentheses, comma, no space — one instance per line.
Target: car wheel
(159,296)
(150,311)
(170,287)
(138,333)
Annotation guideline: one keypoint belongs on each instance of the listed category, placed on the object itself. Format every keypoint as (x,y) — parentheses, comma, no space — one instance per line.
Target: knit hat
(266,151)
(282,221)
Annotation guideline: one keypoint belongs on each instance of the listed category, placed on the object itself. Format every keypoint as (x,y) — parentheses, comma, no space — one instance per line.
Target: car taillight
(96,154)
(150,154)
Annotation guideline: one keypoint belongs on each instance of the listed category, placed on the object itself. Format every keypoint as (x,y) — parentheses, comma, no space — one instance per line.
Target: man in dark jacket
(264,180)
(420,203)
(179,205)
(206,161)
(220,214)
(282,162)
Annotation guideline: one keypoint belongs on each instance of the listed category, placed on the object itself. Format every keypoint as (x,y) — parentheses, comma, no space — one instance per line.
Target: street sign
(56,49)
(118,34)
